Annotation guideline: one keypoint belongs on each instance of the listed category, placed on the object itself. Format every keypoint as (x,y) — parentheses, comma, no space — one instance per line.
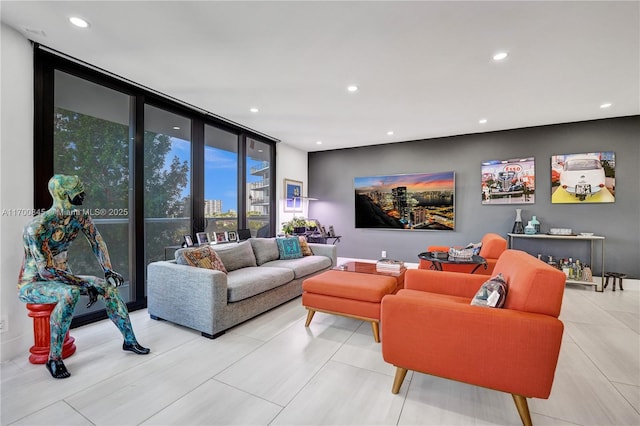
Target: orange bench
(349,294)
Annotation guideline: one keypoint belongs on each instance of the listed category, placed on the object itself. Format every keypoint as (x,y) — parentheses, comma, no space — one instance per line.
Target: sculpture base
(42,334)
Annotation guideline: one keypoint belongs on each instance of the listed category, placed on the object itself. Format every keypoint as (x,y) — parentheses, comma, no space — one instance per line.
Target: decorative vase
(536,224)
(529,229)
(518,228)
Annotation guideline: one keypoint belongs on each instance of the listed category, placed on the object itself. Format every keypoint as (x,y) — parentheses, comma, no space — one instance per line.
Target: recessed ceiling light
(254,109)
(500,56)
(390,133)
(79,22)
(352,88)
(176,127)
(605,105)
(482,121)
(318,142)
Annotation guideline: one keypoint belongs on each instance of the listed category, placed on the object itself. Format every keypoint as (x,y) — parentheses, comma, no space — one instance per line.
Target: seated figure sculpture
(45,276)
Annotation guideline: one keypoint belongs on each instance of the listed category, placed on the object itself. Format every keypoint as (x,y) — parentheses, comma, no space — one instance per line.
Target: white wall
(291,163)
(16,183)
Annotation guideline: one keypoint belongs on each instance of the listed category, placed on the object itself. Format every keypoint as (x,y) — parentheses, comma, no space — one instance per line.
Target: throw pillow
(236,256)
(492,293)
(304,246)
(200,257)
(475,247)
(289,248)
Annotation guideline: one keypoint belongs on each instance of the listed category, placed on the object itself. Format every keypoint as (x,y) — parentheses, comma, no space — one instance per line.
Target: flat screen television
(418,201)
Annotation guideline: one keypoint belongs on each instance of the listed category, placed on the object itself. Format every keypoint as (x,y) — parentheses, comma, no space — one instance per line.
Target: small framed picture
(232,236)
(220,237)
(203,238)
(188,242)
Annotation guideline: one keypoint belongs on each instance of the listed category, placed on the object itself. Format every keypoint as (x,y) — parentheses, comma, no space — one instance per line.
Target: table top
(558,236)
(474,260)
(367,268)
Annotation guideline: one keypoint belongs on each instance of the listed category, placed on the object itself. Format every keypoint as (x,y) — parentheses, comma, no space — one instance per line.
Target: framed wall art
(583,178)
(508,181)
(419,201)
(292,195)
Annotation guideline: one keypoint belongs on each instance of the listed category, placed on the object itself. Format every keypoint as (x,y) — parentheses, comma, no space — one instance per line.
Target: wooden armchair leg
(375,328)
(397,381)
(310,314)
(523,409)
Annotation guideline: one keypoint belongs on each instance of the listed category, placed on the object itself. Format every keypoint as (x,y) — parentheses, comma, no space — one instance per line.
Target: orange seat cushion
(351,285)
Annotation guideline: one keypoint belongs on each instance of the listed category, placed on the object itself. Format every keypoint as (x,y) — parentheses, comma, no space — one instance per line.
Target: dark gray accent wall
(331,175)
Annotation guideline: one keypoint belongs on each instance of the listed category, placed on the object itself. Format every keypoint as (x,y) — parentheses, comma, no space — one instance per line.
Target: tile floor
(274,371)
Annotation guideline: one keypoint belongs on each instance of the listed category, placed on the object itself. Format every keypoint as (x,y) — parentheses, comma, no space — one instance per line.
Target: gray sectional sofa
(212,301)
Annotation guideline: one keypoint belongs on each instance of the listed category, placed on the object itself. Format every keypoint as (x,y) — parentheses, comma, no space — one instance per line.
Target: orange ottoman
(350,294)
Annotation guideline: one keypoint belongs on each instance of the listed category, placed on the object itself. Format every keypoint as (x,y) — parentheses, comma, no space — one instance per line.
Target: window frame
(46,62)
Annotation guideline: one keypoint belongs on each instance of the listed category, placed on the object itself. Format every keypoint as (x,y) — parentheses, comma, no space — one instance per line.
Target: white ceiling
(424,69)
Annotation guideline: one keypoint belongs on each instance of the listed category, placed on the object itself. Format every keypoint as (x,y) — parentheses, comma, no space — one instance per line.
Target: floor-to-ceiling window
(259,187)
(220,180)
(91,139)
(154,169)
(167,180)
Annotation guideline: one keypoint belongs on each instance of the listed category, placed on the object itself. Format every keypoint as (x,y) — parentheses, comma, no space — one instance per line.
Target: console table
(555,237)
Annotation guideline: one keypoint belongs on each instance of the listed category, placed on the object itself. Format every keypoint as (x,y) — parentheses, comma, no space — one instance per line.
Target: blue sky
(221,167)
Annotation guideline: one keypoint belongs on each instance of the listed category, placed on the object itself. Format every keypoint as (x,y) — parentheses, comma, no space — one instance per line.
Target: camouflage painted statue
(45,276)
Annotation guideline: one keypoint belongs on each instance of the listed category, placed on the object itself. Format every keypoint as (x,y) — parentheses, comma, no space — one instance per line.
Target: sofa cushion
(247,282)
(304,266)
(236,256)
(289,248)
(492,293)
(200,257)
(265,249)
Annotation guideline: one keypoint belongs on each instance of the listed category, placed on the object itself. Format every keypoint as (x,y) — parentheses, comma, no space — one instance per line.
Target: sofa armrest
(186,295)
(328,250)
(501,349)
(443,282)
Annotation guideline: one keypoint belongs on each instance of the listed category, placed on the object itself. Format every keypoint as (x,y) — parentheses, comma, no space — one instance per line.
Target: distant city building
(212,207)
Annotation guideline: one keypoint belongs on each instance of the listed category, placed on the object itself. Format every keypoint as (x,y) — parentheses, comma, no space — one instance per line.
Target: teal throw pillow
(289,248)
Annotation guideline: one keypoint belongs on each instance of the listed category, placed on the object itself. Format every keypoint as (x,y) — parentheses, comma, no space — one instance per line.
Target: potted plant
(295,222)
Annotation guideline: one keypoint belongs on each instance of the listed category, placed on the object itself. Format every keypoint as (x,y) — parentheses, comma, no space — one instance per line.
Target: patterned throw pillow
(476,247)
(492,293)
(304,246)
(289,248)
(200,257)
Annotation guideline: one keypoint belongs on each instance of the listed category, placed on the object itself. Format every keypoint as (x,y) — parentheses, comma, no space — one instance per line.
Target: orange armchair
(431,327)
(492,247)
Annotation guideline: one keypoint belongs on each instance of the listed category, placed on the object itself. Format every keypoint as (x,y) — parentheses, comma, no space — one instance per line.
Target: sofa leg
(375,327)
(310,314)
(212,336)
(397,381)
(523,409)
(153,317)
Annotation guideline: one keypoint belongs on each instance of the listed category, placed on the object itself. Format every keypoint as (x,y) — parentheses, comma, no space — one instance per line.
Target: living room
(327,174)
